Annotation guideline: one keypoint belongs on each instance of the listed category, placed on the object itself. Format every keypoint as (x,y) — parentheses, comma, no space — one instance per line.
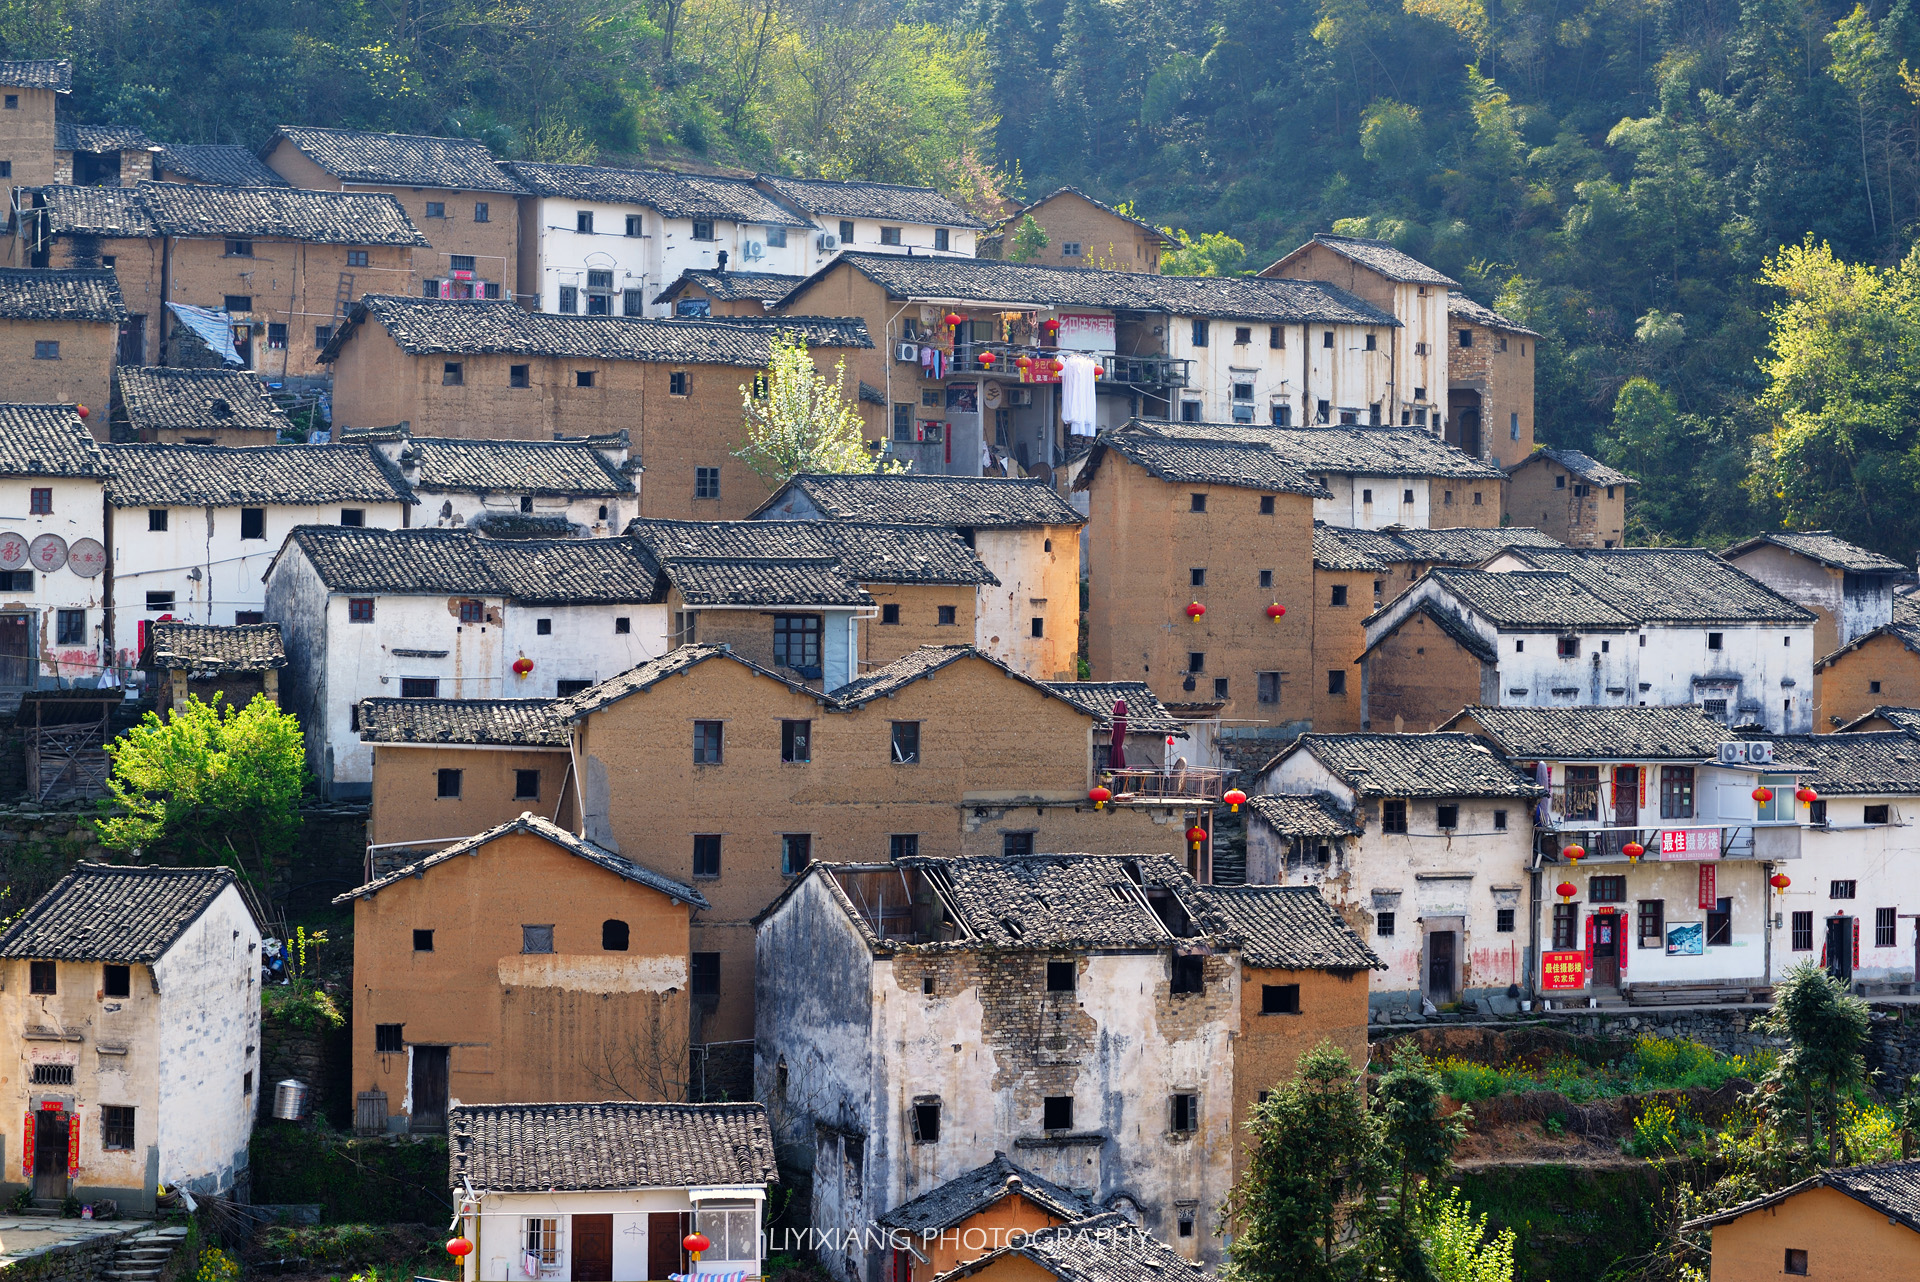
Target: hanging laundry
(926,362)
(1076,393)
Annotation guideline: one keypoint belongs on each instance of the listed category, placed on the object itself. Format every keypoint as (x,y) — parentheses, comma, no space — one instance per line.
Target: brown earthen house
(1572,496)
(197,406)
(102,227)
(1082,232)
(1879,668)
(1859,1223)
(30,93)
(495,370)
(705,292)
(228,665)
(58,331)
(522,963)
(1099,1248)
(1490,363)
(465,203)
(974,1213)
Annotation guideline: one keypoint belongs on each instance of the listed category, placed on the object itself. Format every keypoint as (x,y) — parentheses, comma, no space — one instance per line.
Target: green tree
(1028,239)
(799,420)
(1312,1175)
(1213,253)
(1826,1028)
(1418,1136)
(210,784)
(1459,1249)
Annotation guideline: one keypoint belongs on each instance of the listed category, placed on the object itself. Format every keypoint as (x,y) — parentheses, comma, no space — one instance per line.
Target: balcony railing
(1179,784)
(1117,370)
(1686,840)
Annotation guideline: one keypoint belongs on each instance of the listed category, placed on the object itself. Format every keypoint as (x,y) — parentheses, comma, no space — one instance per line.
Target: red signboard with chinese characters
(1563,969)
(1690,843)
(73,1144)
(26,1147)
(1709,891)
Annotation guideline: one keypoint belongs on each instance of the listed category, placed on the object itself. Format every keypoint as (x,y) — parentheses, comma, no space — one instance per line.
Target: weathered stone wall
(82,1261)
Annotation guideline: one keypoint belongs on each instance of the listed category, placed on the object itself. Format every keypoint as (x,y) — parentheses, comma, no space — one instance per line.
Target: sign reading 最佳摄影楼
(1690,843)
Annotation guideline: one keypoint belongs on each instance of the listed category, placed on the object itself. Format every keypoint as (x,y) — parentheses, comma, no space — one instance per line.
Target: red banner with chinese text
(1709,889)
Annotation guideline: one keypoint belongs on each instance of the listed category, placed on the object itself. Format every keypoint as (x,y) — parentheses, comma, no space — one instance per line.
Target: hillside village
(1204,669)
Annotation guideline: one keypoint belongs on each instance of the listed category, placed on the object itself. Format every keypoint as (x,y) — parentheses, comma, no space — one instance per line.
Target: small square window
(536,939)
(926,1122)
(1446,816)
(1185,1113)
(422,941)
(359,609)
(388,1039)
(1063,976)
(543,627)
(1339,594)
(1796,1262)
(472,611)
(1266,505)
(1393,816)
(1884,927)
(706,854)
(1848,889)
(1803,932)
(1499,821)
(353,518)
(1016,845)
(570,300)
(526,785)
(796,852)
(70,627)
(1874,814)
(437,209)
(1336,680)
(706,482)
(1242,334)
(1279,999)
(1220,688)
(449,784)
(1326,339)
(706,743)
(947,615)
(1196,661)
(41,978)
(615,936)
(623,626)
(890,613)
(1056,1113)
(1197,503)
(1267,687)
(703,974)
(677,383)
(903,845)
(796,742)
(583,378)
(1714,640)
(116,1125)
(322,335)
(846,231)
(1372,343)
(1383,925)
(239,249)
(1503,920)
(253,523)
(1266,578)
(40,501)
(1200,329)
(159,602)
(1197,577)
(583,222)
(1189,975)
(452,373)
(906,743)
(888,235)
(1070,249)
(518,376)
(276,336)
(419,687)
(117,981)
(1037,626)
(13,102)
(942,240)
(1186,1221)
(636,225)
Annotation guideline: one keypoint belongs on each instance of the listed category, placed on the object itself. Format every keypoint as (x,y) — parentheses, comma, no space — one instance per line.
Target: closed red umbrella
(1117,759)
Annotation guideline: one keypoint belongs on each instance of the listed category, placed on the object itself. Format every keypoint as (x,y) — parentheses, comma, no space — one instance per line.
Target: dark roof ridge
(82,941)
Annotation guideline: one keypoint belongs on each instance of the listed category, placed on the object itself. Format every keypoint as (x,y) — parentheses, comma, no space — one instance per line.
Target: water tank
(291,1099)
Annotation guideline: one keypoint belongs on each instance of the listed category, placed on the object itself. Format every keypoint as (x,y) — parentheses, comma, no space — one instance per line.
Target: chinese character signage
(1709,891)
(1690,843)
(1563,970)
(1084,333)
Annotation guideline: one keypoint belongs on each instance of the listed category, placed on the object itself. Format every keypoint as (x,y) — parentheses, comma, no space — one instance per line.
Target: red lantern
(1099,796)
(1633,850)
(1566,890)
(1779,881)
(1575,853)
(1059,367)
(1196,835)
(1275,610)
(1806,796)
(1194,611)
(696,1242)
(1763,794)
(458,1247)
(522,666)
(1234,798)
(954,319)
(986,358)
(82,411)
(1051,325)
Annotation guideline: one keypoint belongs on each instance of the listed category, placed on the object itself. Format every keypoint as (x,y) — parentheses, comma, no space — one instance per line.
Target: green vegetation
(1655,1064)
(799,420)
(355,1181)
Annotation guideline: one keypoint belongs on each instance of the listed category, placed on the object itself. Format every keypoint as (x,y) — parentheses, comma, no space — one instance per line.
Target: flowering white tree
(799,420)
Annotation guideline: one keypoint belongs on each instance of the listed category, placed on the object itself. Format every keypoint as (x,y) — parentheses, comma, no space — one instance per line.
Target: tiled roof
(644,676)
(438,463)
(68,136)
(1684,586)
(149,475)
(1067,900)
(1678,732)
(1460,307)
(1548,600)
(533,824)
(220,163)
(109,912)
(523,722)
(421,326)
(1906,607)
(1870,763)
(61,293)
(289,213)
(1102,1248)
(675,195)
(400,160)
(47,440)
(1340,547)
(731,286)
(968,1194)
(1337,451)
(1905,632)
(1385,259)
(459,561)
(964,502)
(206,647)
(1290,928)
(984,281)
(922,663)
(1907,719)
(543,1148)
(763,580)
(1417,765)
(864,552)
(1585,466)
(888,202)
(38,73)
(1823,546)
(1071,190)
(159,397)
(1293,814)
(1890,1188)
(1250,467)
(1145,713)
(112,212)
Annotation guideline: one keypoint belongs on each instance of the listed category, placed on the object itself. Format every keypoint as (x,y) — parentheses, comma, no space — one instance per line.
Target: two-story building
(30,94)
(1422,842)
(59,332)
(1540,627)
(876,218)
(604,241)
(1023,532)
(1081,232)
(53,553)
(582,487)
(90,228)
(1095,1015)
(496,371)
(131,1001)
(1490,362)
(168,406)
(1581,501)
(465,203)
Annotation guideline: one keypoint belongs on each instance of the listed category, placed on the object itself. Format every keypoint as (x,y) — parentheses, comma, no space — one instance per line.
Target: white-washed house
(570,488)
(53,556)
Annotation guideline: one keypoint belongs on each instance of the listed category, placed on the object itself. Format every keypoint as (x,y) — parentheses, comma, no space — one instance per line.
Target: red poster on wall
(1709,892)
(1563,970)
(26,1147)
(73,1142)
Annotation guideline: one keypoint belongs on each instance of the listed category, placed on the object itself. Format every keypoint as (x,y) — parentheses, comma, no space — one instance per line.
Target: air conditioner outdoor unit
(1759,752)
(1733,754)
(827,241)
(906,352)
(1020,397)
(752,249)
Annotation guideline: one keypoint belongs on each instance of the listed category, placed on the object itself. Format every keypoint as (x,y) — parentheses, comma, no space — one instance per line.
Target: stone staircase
(141,1258)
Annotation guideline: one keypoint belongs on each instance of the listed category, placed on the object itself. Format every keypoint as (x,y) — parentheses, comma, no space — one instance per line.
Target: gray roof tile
(619,865)
(1070,190)
(68,136)
(61,293)
(286,213)
(1382,257)
(972,1192)
(1585,466)
(421,326)
(1678,732)
(47,440)
(430,562)
(437,463)
(1304,814)
(1872,763)
(1067,900)
(731,286)
(1337,451)
(220,163)
(1416,765)
(888,202)
(1290,928)
(1890,1188)
(400,160)
(210,648)
(1339,547)
(151,475)
(1906,719)
(919,664)
(539,1148)
(532,723)
(110,212)
(1145,713)
(1460,307)
(38,73)
(854,551)
(1246,466)
(644,676)
(1683,586)
(1823,546)
(162,397)
(675,195)
(1102,1248)
(908,498)
(116,913)
(1539,599)
(763,580)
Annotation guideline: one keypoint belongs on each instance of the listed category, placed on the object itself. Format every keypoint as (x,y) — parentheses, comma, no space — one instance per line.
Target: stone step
(144,1254)
(132,1275)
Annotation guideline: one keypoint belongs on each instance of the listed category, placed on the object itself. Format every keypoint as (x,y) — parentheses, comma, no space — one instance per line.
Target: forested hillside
(1617,175)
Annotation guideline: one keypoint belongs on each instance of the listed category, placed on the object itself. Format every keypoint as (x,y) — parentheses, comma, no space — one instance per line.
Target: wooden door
(16,650)
(429,1089)
(1606,950)
(1440,953)
(50,1155)
(593,1248)
(664,1253)
(1626,797)
(1840,948)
